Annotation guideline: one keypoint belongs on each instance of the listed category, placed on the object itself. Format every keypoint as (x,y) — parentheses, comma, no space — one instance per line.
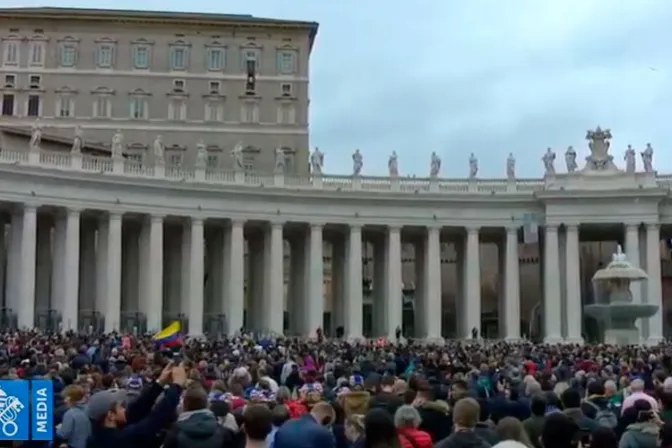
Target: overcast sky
(490,77)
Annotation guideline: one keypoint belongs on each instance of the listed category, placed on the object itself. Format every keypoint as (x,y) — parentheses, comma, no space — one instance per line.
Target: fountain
(613,306)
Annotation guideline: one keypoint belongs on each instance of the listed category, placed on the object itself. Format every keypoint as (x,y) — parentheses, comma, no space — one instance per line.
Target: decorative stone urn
(613,306)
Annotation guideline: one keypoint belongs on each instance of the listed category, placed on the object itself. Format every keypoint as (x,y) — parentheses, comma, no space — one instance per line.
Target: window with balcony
(250,61)
(34,106)
(10,52)
(179,85)
(286,89)
(68,55)
(105,55)
(179,58)
(139,108)
(8,101)
(212,161)
(175,158)
(65,106)
(216,58)
(286,62)
(37,50)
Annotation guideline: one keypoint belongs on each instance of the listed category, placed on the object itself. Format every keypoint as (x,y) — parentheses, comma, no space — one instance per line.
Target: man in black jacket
(114,425)
(465,418)
(197,426)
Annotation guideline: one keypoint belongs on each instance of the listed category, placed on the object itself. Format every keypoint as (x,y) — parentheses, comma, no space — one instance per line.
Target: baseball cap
(102,402)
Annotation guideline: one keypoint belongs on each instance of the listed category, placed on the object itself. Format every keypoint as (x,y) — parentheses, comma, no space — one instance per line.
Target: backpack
(604,417)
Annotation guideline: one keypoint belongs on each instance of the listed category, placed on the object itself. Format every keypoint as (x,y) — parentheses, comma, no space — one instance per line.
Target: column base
(553,340)
(513,339)
(654,340)
(578,341)
(433,341)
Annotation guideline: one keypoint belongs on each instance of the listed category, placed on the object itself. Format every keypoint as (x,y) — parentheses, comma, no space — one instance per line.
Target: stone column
(654,283)
(3,260)
(379,302)
(393,282)
(87,267)
(512,286)
(195,296)
(185,261)
(573,286)
(234,274)
(274,287)
(473,282)
(338,283)
(352,309)
(420,308)
(131,269)
(112,301)
(101,265)
(552,313)
(58,267)
(172,287)
(432,287)
(154,280)
(314,281)
(44,264)
(71,271)
(26,296)
(633,254)
(461,330)
(256,282)
(296,296)
(12,300)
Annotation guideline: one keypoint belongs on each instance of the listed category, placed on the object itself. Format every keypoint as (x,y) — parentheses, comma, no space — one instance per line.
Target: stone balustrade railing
(408,185)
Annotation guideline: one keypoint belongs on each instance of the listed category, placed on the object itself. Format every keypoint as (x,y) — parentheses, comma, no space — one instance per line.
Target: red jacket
(414,438)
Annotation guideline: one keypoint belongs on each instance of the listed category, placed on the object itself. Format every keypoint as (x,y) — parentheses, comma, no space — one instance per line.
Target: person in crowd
(604,437)
(571,402)
(665,435)
(485,428)
(197,425)
(257,424)
(643,433)
(637,392)
(434,414)
(465,417)
(354,430)
(379,430)
(280,417)
(560,431)
(534,425)
(308,431)
(75,428)
(386,398)
(113,425)
(510,428)
(407,421)
(666,406)
(598,407)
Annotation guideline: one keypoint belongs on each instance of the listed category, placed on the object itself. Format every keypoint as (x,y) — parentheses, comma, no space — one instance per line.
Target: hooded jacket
(198,429)
(463,439)
(640,435)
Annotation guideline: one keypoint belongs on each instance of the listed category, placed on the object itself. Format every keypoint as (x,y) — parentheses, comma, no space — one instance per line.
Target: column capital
(30,207)
(394,228)
(652,227)
(276,224)
(237,222)
(355,227)
(116,215)
(473,229)
(73,211)
(156,218)
(434,228)
(196,220)
(316,226)
(512,228)
(572,227)
(632,227)
(551,228)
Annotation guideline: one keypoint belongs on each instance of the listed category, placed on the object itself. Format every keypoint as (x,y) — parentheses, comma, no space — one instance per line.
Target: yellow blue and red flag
(171,336)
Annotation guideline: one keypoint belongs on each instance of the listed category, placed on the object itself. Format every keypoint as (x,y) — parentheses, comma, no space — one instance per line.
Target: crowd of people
(123,391)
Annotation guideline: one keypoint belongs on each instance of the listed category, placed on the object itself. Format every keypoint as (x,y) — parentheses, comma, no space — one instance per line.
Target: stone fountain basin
(620,311)
(620,273)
